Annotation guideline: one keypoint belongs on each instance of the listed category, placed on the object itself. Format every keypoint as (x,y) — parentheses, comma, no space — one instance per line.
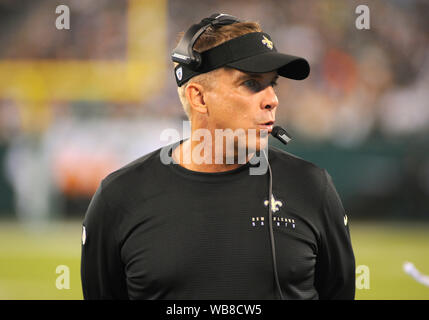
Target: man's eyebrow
(245,76)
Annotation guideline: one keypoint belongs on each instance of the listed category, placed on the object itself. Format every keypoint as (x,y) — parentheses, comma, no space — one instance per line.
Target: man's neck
(183,154)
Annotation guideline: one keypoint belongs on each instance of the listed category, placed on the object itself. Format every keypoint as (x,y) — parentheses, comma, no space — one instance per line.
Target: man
(191,220)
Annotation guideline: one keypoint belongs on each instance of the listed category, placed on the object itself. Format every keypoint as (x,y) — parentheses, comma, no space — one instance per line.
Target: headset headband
(184,52)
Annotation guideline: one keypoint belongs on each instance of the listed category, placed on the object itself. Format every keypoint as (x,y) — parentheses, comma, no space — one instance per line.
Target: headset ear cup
(197,60)
(184,52)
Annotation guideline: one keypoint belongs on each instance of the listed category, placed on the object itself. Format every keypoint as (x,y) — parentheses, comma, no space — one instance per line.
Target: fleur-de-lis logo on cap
(267,42)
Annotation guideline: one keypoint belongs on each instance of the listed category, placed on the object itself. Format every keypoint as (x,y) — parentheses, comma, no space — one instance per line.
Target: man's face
(240,100)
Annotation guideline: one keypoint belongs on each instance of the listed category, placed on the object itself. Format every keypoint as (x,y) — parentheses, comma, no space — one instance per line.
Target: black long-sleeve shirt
(156,231)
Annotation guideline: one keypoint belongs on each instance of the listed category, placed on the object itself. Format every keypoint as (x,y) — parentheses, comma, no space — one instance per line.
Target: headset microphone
(281,134)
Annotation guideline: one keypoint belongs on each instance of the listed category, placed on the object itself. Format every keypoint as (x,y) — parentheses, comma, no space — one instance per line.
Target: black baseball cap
(253,52)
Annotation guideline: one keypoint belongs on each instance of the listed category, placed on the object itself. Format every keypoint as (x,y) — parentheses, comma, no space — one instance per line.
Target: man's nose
(270,100)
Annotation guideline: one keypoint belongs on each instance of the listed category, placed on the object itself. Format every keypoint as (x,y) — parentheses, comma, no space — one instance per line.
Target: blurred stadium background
(77,104)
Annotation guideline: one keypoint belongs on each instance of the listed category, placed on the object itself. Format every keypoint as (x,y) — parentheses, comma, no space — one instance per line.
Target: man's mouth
(267,126)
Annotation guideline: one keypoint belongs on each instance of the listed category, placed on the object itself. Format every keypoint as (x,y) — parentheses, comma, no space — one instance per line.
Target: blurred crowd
(363,84)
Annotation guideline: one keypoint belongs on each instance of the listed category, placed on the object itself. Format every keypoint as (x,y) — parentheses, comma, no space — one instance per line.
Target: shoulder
(293,162)
(304,175)
(134,175)
(132,168)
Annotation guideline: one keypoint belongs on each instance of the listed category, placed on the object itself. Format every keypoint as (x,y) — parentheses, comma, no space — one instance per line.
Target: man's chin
(257,145)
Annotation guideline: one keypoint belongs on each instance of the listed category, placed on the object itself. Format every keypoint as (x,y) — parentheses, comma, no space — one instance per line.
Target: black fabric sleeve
(335,266)
(102,272)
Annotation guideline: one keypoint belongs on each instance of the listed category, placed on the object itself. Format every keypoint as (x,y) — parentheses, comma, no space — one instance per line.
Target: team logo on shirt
(278,221)
(275,204)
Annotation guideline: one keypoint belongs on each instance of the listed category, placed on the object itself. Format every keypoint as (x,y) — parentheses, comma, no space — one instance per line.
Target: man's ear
(195,94)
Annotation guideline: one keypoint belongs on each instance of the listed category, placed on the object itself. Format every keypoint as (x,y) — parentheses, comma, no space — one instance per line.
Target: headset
(185,54)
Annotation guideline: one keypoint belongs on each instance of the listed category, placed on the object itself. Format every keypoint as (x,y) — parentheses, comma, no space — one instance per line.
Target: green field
(28,259)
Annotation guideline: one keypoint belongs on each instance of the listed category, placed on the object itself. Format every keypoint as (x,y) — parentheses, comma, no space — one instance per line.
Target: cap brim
(288,66)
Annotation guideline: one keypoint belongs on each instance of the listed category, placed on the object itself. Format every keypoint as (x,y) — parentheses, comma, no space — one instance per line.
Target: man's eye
(252,84)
